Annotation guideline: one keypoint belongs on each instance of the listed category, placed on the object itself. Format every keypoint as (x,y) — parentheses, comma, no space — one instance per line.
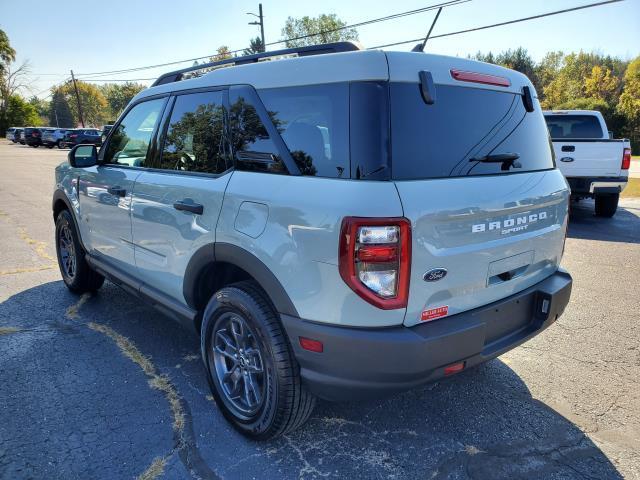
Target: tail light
(626,159)
(375,259)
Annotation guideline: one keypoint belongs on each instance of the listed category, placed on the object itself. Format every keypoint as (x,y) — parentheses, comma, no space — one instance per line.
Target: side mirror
(83,156)
(610,134)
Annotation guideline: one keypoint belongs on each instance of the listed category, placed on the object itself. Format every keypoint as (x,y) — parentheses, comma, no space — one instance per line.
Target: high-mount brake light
(484,78)
(626,159)
(375,259)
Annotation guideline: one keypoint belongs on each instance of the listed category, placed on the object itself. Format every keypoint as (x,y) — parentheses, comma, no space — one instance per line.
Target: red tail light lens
(375,259)
(480,78)
(626,159)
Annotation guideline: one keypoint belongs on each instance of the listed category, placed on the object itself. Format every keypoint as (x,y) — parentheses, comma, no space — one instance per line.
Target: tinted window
(130,141)
(195,140)
(253,148)
(443,139)
(314,124)
(573,126)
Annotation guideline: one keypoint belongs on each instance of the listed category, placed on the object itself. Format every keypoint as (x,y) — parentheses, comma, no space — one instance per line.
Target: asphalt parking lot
(105,387)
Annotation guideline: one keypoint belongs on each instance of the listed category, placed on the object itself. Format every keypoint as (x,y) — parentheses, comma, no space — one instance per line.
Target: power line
(376,20)
(115,79)
(366,22)
(509,22)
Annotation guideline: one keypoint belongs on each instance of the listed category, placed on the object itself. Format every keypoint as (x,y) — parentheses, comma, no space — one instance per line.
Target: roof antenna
(420,46)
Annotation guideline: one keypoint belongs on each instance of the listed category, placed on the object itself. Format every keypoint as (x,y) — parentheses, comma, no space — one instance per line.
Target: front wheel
(253,375)
(607,204)
(76,272)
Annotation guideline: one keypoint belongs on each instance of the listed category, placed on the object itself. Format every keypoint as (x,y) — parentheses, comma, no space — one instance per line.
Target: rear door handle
(188,205)
(568,148)
(117,191)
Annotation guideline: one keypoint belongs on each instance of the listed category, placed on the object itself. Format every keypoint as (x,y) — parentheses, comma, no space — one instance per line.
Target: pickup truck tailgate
(589,158)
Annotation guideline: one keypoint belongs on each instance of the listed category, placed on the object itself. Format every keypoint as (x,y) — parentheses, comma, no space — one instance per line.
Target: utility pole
(75,86)
(55,111)
(261,23)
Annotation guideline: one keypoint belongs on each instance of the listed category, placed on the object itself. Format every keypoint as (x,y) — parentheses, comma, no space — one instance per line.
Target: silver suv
(334,223)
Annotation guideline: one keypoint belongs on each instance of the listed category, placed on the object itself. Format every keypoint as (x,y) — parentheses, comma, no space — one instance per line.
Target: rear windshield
(463,126)
(573,126)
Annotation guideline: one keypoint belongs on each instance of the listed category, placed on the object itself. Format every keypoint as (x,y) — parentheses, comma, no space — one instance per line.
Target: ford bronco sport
(334,223)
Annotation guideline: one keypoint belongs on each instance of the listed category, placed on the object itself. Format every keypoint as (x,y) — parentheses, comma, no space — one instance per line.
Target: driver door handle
(187,205)
(117,191)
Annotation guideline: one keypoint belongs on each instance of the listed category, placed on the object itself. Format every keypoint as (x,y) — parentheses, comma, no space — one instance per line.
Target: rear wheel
(253,375)
(76,272)
(606,204)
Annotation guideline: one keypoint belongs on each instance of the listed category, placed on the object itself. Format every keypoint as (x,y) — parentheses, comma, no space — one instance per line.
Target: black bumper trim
(364,363)
(582,185)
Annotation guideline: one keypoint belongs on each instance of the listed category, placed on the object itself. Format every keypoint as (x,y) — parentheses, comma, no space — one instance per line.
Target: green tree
(602,84)
(323,28)
(629,104)
(94,105)
(59,112)
(7,53)
(118,96)
(255,46)
(221,54)
(42,107)
(20,112)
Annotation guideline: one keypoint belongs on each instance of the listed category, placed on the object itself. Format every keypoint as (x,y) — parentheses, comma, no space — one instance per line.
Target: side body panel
(300,237)
(107,215)
(165,238)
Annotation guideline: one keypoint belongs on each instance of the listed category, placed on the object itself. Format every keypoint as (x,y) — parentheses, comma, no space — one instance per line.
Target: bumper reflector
(311,345)
(455,368)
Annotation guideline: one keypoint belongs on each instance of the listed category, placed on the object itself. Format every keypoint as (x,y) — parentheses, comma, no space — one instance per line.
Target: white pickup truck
(595,165)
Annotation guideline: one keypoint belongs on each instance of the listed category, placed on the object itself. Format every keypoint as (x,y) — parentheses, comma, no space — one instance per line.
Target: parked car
(32,137)
(341,226)
(105,131)
(10,132)
(52,137)
(595,164)
(16,135)
(81,136)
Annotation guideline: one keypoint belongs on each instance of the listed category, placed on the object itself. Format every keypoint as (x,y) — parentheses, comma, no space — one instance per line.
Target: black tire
(285,404)
(81,278)
(607,204)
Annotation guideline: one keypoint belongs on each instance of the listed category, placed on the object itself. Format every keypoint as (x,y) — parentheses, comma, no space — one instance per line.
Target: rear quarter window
(443,139)
(313,121)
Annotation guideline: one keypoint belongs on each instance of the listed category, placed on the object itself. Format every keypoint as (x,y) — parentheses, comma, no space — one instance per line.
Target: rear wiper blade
(507,160)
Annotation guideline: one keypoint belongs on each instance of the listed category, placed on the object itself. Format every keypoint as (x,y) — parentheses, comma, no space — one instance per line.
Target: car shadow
(623,227)
(483,423)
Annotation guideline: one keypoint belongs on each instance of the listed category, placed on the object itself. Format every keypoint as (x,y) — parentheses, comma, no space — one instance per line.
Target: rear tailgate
(588,158)
(483,228)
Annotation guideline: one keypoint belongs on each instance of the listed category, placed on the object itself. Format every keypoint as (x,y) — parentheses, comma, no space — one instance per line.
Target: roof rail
(336,47)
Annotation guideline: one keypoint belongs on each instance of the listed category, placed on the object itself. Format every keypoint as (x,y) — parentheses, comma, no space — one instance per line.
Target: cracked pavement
(78,401)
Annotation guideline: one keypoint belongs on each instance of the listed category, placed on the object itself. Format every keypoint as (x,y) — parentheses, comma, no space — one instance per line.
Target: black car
(32,137)
(81,136)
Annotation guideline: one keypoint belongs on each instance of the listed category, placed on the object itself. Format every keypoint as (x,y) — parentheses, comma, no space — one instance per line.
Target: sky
(119,34)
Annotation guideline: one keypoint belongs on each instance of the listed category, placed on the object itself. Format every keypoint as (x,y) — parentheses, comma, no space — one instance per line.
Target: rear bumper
(364,363)
(596,185)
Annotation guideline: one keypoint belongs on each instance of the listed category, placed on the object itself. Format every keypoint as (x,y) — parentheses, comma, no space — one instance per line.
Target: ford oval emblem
(435,275)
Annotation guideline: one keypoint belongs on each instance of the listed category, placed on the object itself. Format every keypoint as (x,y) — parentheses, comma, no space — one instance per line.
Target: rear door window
(196,140)
(573,126)
(463,126)
(313,121)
